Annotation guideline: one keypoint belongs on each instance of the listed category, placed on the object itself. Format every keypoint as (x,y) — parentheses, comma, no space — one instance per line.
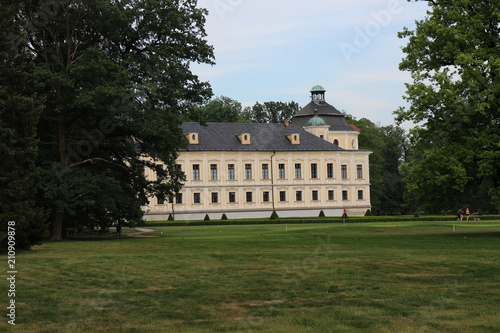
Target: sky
(277,50)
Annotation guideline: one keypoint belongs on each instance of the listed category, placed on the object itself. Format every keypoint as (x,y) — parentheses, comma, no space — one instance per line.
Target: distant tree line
(225,109)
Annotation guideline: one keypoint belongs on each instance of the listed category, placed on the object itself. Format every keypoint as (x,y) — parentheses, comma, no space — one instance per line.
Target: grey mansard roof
(263,137)
(333,117)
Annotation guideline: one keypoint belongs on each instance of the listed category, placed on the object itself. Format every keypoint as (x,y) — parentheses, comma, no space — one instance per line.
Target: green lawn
(373,277)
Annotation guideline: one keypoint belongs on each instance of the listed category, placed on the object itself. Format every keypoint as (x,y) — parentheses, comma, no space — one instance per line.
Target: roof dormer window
(193,138)
(294,138)
(244,138)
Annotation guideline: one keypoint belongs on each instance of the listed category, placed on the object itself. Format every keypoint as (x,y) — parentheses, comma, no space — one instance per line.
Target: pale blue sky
(278,50)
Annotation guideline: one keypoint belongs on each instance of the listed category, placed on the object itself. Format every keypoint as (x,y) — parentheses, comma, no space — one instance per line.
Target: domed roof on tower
(318,95)
(316,120)
(318,88)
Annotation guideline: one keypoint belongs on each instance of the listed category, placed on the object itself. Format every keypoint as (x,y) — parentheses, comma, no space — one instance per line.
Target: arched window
(336,142)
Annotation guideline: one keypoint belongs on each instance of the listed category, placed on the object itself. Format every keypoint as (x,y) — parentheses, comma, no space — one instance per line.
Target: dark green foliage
(207,218)
(223,217)
(104,91)
(170,217)
(453,57)
(416,214)
(368,213)
(321,214)
(274,112)
(389,147)
(221,109)
(19,113)
(344,216)
(274,215)
(227,110)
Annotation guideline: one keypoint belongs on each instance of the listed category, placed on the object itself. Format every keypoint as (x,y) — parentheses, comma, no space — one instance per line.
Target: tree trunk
(57,227)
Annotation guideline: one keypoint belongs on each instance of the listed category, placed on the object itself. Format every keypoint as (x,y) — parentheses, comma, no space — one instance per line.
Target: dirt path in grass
(141,232)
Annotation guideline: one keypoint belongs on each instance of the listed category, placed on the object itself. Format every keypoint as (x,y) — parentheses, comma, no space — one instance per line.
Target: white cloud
(277,50)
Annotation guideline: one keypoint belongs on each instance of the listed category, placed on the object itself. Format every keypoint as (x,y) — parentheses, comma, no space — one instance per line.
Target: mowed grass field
(366,277)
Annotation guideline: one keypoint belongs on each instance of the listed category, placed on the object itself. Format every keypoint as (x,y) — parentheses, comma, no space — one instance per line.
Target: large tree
(115,77)
(19,112)
(453,57)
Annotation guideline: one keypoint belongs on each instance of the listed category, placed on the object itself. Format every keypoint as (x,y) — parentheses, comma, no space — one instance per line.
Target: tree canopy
(19,114)
(389,148)
(220,109)
(274,112)
(454,61)
(227,110)
(113,79)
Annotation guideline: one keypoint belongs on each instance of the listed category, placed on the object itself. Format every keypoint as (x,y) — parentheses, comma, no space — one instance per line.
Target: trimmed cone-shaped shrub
(344,216)
(224,217)
(368,213)
(274,215)
(170,217)
(207,218)
(321,214)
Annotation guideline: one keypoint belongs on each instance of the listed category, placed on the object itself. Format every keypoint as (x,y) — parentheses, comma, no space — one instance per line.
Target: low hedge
(302,220)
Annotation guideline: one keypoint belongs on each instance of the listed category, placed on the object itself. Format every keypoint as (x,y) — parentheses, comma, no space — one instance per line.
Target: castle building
(298,168)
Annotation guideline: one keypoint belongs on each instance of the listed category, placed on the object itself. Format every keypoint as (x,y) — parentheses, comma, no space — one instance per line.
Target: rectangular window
(360,195)
(178,198)
(230,172)
(343,170)
(281,171)
(344,195)
(248,171)
(265,196)
(232,197)
(315,195)
(160,200)
(215,197)
(298,171)
(196,172)
(331,196)
(298,196)
(157,175)
(213,171)
(359,171)
(314,170)
(265,171)
(329,170)
(196,198)
(249,196)
(282,196)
